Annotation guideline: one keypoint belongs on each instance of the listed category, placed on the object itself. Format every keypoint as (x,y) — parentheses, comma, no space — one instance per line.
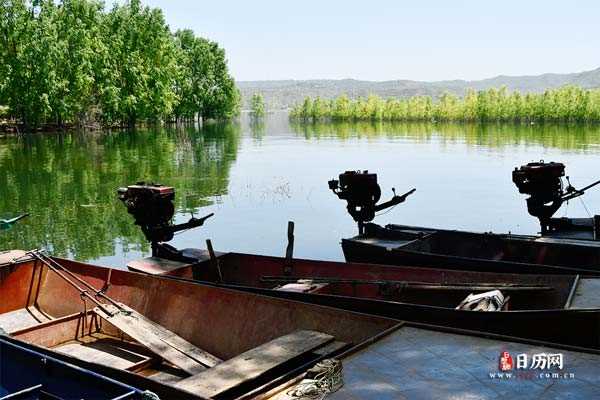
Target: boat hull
(573,328)
(30,374)
(41,308)
(549,318)
(485,252)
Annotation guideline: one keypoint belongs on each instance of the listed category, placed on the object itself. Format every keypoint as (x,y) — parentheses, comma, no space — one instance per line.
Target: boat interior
(496,248)
(209,341)
(574,228)
(441,288)
(584,255)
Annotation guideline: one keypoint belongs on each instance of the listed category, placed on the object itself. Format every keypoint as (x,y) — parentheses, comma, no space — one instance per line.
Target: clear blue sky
(382,40)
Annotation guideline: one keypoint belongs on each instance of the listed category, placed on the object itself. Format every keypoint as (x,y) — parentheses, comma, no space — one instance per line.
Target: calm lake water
(257,176)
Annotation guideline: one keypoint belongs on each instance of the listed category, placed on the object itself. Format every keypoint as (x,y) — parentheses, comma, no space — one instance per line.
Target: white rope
(586,209)
(386,211)
(326,378)
(148,395)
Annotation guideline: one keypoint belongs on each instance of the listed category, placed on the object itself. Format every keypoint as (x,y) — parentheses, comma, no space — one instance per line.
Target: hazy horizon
(388,40)
(417,80)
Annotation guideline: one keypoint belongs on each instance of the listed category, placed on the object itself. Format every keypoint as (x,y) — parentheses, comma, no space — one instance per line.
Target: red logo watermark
(506,361)
(536,366)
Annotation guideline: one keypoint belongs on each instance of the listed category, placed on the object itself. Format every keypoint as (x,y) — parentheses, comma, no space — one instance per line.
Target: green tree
(143,64)
(29,43)
(80,54)
(221,98)
(565,104)
(257,105)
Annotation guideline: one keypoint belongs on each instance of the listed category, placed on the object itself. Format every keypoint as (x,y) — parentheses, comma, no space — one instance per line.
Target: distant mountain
(285,93)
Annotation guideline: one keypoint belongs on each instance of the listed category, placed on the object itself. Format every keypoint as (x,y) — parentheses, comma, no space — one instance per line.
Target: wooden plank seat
(21,319)
(158,339)
(161,266)
(587,294)
(107,351)
(155,265)
(254,363)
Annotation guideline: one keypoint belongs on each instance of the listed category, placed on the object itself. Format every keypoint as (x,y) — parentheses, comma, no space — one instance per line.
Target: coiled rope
(324,378)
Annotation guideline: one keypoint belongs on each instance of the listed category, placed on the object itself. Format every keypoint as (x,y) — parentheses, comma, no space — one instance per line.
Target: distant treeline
(565,104)
(71,62)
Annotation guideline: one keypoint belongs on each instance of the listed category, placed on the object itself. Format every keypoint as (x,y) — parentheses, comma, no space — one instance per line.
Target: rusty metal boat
(170,332)
(177,339)
(543,307)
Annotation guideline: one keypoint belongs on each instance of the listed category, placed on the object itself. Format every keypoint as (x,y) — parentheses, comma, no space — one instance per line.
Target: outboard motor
(362,192)
(543,183)
(152,207)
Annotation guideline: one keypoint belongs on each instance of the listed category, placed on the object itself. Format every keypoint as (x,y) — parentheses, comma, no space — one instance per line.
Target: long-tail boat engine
(543,182)
(152,208)
(362,192)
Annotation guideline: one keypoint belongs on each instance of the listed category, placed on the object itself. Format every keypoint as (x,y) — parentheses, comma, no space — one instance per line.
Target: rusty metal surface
(17,286)
(253,270)
(221,321)
(227,323)
(533,316)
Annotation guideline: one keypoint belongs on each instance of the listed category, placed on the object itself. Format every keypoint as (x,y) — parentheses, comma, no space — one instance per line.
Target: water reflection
(68,181)
(258,128)
(561,136)
(258,174)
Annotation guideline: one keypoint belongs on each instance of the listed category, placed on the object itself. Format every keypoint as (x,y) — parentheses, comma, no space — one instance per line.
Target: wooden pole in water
(214,259)
(289,251)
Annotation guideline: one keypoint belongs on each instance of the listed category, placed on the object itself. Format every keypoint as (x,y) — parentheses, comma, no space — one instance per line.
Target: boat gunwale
(547,268)
(193,282)
(407,323)
(430,232)
(570,279)
(386,266)
(243,287)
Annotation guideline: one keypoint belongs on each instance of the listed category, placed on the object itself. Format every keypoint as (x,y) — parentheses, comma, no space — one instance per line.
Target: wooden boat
(196,341)
(561,309)
(460,250)
(28,374)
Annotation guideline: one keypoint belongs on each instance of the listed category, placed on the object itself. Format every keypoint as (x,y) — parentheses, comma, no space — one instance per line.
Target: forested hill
(285,93)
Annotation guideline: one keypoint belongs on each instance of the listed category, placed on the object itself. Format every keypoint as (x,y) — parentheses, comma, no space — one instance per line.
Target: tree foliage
(565,104)
(72,62)
(257,105)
